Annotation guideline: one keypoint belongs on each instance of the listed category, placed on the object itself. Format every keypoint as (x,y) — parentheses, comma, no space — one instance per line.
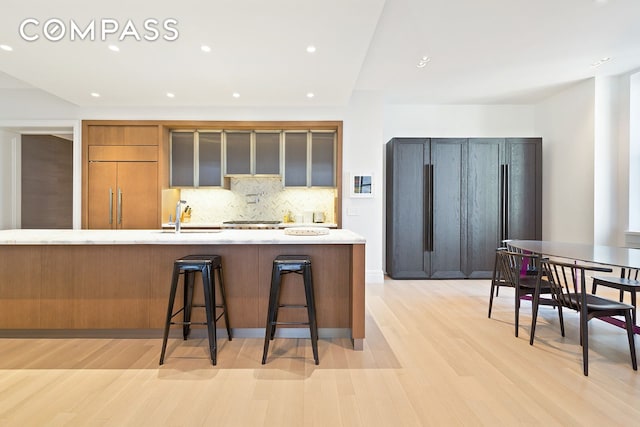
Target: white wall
(458,121)
(634,152)
(8,146)
(363,153)
(566,124)
(610,183)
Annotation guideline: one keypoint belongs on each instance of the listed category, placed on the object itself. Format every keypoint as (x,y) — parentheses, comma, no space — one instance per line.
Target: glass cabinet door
(323,159)
(295,159)
(238,153)
(182,166)
(210,159)
(267,153)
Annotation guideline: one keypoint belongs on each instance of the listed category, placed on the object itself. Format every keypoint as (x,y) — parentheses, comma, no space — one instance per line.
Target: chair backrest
(566,279)
(629,273)
(509,265)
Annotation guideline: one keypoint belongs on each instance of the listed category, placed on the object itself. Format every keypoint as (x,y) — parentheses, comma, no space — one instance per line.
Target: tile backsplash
(256,199)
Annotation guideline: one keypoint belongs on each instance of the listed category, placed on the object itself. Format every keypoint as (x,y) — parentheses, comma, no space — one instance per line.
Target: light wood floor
(431,357)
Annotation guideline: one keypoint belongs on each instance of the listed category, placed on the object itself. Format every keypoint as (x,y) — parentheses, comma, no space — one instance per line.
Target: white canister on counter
(299,218)
(308,217)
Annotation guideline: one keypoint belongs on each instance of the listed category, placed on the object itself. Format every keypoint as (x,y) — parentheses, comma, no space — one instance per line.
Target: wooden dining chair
(510,270)
(567,282)
(627,282)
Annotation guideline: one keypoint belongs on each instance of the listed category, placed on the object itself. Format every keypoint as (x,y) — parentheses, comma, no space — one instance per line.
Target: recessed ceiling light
(236,95)
(423,62)
(170,95)
(205,48)
(600,61)
(311,48)
(310,95)
(6,47)
(114,48)
(95,94)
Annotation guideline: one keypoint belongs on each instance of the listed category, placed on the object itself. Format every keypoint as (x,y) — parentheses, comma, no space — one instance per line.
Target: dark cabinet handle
(506,202)
(430,208)
(502,202)
(426,194)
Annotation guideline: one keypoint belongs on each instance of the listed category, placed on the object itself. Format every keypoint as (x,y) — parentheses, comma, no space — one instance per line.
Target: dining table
(610,256)
(599,254)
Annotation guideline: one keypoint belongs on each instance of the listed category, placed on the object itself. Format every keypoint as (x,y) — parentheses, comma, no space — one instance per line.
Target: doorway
(11,174)
(47,181)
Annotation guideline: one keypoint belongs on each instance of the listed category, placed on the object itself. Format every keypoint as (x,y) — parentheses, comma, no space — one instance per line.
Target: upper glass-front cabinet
(310,159)
(323,159)
(182,159)
(210,159)
(204,158)
(253,153)
(267,153)
(196,159)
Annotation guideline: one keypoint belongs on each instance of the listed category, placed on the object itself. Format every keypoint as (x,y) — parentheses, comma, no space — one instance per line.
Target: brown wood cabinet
(123,195)
(122,185)
(123,135)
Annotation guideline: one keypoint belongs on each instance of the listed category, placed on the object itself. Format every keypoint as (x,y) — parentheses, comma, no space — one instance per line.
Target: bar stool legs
(187,267)
(285,264)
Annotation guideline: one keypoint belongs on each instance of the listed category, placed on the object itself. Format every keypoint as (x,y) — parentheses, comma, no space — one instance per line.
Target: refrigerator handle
(119,206)
(110,205)
(502,196)
(506,201)
(430,208)
(426,194)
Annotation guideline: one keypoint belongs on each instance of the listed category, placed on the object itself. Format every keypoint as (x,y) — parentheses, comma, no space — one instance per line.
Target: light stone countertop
(185,225)
(169,237)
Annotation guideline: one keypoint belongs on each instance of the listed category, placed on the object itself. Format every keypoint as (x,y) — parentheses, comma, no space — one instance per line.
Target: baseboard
(327,333)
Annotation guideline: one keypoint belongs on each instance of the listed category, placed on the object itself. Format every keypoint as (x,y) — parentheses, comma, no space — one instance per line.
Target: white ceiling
(481,51)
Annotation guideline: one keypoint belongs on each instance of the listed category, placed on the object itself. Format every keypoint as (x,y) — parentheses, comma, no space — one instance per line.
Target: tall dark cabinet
(451,201)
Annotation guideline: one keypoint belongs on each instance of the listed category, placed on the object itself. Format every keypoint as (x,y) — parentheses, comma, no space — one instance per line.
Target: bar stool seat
(187,267)
(285,264)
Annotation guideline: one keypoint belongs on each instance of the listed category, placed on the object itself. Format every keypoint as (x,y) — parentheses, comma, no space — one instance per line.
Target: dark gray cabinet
(408,208)
(523,187)
(450,202)
(447,193)
(484,204)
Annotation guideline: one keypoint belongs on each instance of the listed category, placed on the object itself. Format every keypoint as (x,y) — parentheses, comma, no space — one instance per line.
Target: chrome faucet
(177,222)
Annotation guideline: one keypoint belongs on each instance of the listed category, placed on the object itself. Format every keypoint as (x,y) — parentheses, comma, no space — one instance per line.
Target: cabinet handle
(501,206)
(110,205)
(506,202)
(426,194)
(119,206)
(430,208)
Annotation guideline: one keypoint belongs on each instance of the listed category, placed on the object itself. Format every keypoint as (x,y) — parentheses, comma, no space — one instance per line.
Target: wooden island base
(126,286)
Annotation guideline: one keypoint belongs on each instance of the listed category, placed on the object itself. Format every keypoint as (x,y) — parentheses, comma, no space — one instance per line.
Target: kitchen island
(118,280)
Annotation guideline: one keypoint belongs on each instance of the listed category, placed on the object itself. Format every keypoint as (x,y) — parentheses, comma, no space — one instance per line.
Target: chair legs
(188,266)
(284,265)
(632,345)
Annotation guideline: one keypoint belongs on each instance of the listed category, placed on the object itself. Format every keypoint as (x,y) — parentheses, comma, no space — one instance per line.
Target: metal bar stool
(188,266)
(285,264)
